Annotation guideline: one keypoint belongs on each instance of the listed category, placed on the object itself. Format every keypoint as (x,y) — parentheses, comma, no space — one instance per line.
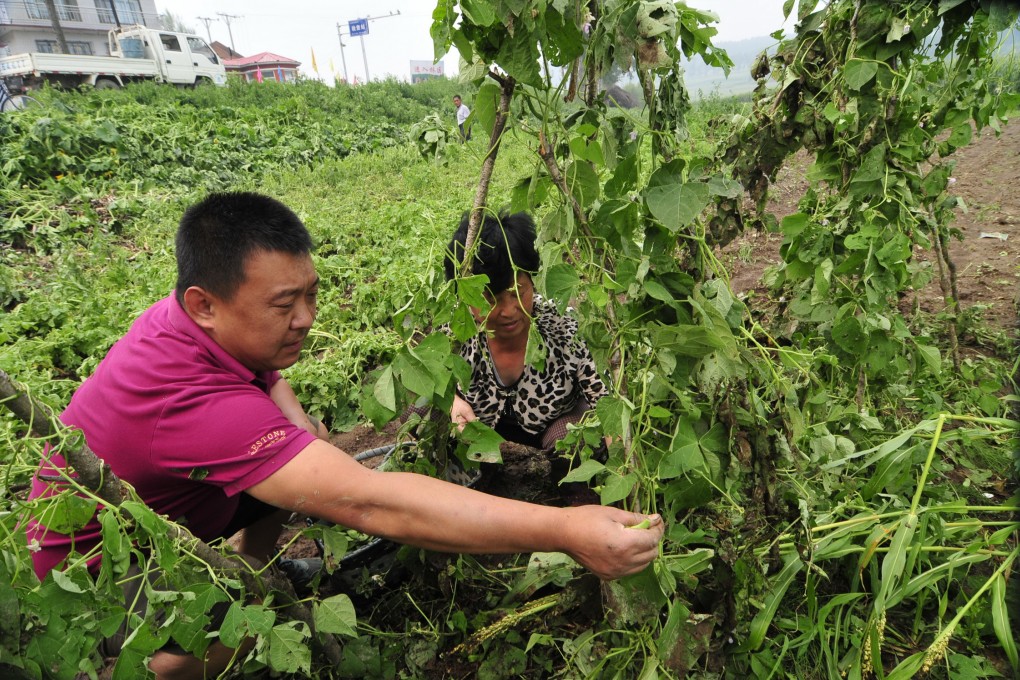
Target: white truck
(136,53)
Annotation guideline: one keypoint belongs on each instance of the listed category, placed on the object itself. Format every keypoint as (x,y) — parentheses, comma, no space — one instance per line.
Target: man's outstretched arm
(325,482)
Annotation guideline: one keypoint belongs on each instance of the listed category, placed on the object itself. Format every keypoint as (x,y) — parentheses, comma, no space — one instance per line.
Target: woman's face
(510,316)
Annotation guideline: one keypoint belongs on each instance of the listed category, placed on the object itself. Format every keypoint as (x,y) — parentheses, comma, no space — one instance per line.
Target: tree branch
(507,85)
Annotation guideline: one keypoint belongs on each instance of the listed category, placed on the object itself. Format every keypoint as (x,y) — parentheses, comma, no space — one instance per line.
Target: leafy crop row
(807,455)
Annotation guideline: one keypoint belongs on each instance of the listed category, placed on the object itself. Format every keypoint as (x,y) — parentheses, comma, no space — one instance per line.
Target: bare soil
(986,254)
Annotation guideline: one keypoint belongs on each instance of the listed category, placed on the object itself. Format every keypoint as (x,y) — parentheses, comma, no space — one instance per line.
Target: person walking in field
(462,115)
(189,407)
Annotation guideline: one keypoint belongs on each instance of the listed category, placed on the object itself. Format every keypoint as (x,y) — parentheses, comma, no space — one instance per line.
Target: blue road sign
(358,27)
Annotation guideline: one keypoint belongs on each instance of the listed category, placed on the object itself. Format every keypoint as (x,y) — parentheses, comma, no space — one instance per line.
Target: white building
(26,26)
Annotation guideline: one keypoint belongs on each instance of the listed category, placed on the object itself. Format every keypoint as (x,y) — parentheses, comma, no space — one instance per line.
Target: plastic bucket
(132,48)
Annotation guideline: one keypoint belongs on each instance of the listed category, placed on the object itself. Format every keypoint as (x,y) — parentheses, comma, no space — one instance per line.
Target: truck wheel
(106,84)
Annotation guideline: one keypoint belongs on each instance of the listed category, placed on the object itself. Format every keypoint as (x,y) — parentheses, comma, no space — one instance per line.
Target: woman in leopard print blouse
(521,403)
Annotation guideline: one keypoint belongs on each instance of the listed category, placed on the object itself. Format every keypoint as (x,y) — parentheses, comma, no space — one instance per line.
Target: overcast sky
(297,28)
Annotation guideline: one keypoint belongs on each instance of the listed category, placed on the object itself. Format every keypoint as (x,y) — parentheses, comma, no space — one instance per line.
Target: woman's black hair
(218,234)
(505,246)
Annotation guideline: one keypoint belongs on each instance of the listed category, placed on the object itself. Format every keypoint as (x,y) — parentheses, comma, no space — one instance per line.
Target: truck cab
(182,59)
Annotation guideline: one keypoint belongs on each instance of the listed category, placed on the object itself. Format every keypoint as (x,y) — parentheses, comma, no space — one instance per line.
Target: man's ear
(200,305)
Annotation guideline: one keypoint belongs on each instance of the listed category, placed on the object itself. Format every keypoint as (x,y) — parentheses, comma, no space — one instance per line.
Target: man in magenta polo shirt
(189,407)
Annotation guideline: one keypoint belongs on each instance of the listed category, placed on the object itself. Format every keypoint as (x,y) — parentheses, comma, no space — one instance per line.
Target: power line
(227,18)
(207,21)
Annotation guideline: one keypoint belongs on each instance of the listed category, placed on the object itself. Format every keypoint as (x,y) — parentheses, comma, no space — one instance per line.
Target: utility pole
(342,59)
(360,34)
(207,21)
(227,18)
(51,8)
(116,17)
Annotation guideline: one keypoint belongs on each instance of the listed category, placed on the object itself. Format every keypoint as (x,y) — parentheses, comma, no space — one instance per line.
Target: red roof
(262,59)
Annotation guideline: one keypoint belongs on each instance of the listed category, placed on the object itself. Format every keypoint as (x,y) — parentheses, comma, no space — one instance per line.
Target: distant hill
(703,80)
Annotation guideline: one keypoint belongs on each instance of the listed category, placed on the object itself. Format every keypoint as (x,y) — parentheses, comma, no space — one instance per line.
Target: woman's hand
(608,542)
(461,412)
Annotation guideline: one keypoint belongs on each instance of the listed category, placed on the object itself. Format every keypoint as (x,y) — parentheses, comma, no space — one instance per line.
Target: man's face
(265,324)
(456,102)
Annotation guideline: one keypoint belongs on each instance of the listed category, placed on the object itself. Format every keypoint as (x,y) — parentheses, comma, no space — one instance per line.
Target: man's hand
(608,542)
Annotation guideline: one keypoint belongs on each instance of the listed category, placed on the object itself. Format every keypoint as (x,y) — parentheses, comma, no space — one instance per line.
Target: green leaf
(385,390)
(478,12)
(848,334)
(289,651)
(486,103)
(725,187)
(335,543)
(561,282)
(961,135)
(413,375)
(656,290)
(614,415)
(931,357)
(336,615)
(64,513)
(1000,621)
(820,288)
(1002,14)
(584,472)
(582,182)
(793,225)
(617,487)
(677,205)
(543,569)
(483,442)
(72,581)
(518,55)
(463,324)
(946,5)
(624,178)
(777,589)
(895,560)
(859,73)
(689,340)
(872,167)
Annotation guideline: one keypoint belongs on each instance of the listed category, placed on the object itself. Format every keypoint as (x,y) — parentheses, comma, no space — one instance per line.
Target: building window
(67,10)
(53,47)
(128,11)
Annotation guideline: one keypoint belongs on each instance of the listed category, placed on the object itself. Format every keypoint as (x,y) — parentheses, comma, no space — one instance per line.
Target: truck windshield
(199,46)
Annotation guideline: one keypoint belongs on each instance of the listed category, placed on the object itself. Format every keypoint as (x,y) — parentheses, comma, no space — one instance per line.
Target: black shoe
(301,572)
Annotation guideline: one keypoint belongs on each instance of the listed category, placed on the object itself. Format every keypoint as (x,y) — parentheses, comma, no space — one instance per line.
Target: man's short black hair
(218,234)
(505,246)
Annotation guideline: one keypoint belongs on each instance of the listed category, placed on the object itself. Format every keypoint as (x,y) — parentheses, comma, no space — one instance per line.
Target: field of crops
(835,461)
